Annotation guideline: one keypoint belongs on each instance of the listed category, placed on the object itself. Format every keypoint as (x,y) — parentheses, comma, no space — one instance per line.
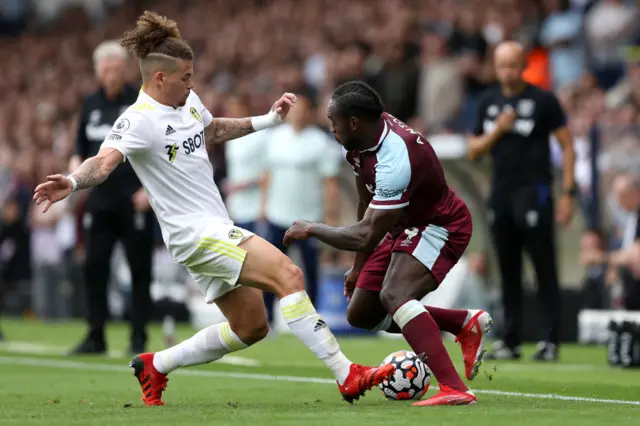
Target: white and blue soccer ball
(411,379)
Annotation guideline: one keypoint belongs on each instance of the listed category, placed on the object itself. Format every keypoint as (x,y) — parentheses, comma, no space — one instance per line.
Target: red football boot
(448,396)
(362,379)
(152,382)
(471,340)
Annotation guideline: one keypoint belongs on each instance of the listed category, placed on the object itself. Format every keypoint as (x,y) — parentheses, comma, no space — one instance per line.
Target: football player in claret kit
(163,136)
(412,230)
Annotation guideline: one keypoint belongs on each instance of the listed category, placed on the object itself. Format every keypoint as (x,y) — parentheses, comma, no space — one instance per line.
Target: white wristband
(262,122)
(74,183)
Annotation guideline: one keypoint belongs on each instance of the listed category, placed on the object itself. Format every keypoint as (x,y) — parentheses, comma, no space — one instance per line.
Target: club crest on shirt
(411,233)
(234,234)
(195,114)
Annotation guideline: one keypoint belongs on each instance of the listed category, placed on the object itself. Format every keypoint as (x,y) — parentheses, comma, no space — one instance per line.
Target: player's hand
(505,120)
(56,188)
(298,231)
(140,201)
(283,105)
(564,211)
(350,279)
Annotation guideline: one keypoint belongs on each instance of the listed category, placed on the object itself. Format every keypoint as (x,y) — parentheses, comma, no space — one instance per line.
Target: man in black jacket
(514,123)
(116,210)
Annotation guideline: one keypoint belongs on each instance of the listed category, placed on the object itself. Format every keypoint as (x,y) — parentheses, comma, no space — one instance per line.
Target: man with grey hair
(116,210)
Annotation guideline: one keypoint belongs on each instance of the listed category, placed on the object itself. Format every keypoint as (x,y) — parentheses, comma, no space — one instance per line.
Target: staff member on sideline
(514,124)
(116,210)
(300,181)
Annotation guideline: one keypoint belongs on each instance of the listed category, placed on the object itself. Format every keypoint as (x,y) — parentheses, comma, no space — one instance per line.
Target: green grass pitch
(280,382)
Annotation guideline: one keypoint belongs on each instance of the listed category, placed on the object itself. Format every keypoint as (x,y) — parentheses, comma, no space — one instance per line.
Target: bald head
(509,61)
(509,50)
(626,190)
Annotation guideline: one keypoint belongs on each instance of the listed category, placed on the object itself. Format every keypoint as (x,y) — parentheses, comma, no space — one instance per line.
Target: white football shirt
(166,148)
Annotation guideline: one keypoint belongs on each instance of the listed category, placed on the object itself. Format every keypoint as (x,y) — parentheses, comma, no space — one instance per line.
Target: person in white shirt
(163,135)
(300,181)
(245,165)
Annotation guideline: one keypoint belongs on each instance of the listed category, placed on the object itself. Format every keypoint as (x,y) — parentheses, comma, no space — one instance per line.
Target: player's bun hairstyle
(156,35)
(357,99)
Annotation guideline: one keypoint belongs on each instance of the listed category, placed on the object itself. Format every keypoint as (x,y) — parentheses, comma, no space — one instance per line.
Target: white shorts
(216,263)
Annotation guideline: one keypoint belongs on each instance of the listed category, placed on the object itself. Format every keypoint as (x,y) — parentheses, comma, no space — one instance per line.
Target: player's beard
(349,144)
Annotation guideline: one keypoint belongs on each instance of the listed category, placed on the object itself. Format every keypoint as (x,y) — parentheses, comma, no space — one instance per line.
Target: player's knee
(357,318)
(391,299)
(290,278)
(252,332)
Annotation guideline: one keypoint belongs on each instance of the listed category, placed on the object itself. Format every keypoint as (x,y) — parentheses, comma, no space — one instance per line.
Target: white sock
(310,328)
(208,344)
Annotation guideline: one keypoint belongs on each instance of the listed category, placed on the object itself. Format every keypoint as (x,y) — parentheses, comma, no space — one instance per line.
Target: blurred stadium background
(429,59)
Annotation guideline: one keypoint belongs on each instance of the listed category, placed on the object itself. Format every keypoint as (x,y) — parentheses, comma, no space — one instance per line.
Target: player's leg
(540,244)
(100,236)
(275,236)
(137,238)
(268,269)
(406,283)
(246,324)
(366,311)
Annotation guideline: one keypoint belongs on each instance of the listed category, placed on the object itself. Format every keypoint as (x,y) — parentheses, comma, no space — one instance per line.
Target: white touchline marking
(79,365)
(40,349)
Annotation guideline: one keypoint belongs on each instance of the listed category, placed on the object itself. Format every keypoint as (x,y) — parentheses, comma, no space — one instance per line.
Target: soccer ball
(410,380)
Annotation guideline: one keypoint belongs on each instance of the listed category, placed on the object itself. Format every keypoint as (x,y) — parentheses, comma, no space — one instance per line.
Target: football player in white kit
(163,136)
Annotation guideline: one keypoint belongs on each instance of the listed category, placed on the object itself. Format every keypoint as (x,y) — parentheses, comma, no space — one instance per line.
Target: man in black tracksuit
(514,124)
(117,210)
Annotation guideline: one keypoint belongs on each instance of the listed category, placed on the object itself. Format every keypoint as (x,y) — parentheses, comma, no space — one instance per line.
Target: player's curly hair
(357,99)
(156,35)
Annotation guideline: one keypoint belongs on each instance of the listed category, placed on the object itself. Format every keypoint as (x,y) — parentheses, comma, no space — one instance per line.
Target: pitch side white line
(40,349)
(79,365)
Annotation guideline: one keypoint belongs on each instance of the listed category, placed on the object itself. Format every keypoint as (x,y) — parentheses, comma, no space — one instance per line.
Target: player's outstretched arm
(226,129)
(93,171)
(363,236)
